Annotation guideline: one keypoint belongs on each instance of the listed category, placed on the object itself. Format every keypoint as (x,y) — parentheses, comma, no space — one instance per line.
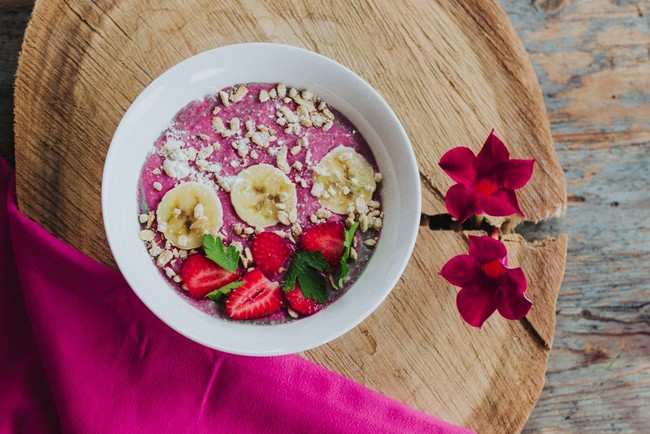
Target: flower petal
(502,203)
(461,270)
(514,306)
(462,202)
(485,249)
(458,163)
(493,154)
(476,304)
(515,173)
(511,301)
(516,280)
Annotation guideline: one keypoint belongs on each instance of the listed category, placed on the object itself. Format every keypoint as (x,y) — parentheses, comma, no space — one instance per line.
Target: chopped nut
(183,254)
(156,171)
(361,205)
(363,224)
(155,250)
(216,110)
(373,204)
(239,94)
(225,98)
(297,165)
(328,125)
(142,218)
(284,218)
(292,313)
(146,235)
(293,92)
(317,189)
(295,150)
(323,213)
(217,125)
(170,272)
(157,186)
(345,190)
(177,278)
(353,254)
(281,234)
(282,90)
(296,230)
(349,222)
(370,242)
(378,177)
(254,154)
(264,95)
(293,215)
(281,160)
(313,218)
(281,205)
(306,94)
(238,246)
(377,223)
(150,219)
(328,114)
(221,182)
(273,93)
(248,231)
(205,152)
(164,258)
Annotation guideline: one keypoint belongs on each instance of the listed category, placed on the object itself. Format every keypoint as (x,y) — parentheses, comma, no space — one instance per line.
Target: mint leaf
(305,269)
(220,294)
(217,252)
(347,243)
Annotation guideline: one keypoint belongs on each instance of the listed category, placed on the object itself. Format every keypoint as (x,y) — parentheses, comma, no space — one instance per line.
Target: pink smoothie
(193,128)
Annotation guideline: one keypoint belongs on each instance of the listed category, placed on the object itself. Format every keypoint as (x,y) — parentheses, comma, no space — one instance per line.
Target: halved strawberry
(326,237)
(256,298)
(202,276)
(270,252)
(301,304)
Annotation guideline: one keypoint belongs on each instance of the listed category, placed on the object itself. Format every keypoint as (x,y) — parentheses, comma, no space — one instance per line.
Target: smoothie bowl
(261,199)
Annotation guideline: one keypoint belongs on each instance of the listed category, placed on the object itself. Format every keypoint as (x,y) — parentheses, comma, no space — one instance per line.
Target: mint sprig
(217,252)
(221,293)
(347,243)
(305,269)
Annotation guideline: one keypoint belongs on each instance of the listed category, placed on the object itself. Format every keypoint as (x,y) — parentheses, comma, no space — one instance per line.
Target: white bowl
(208,72)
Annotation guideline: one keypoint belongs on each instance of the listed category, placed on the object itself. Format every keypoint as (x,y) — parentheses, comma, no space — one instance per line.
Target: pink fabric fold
(80,353)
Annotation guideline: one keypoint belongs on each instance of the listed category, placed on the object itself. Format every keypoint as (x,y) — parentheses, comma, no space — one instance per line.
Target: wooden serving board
(451,70)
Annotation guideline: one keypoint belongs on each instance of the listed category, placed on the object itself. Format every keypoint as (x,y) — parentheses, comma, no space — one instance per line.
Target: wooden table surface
(592,62)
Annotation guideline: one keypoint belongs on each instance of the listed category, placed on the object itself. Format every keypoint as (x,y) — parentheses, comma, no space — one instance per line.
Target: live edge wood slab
(452,71)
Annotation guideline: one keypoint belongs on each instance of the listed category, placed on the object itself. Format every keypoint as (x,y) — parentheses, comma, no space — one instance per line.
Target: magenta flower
(487,284)
(486,182)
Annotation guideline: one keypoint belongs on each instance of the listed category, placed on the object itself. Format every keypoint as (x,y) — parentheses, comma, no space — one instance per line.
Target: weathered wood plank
(592,60)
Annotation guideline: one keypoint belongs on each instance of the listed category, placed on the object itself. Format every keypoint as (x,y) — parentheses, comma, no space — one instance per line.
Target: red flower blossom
(486,182)
(487,284)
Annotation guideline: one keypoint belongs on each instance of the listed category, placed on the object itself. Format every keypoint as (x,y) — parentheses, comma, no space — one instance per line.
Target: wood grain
(467,73)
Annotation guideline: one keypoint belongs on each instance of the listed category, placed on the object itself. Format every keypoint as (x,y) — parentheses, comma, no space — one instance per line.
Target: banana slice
(187,212)
(343,178)
(262,196)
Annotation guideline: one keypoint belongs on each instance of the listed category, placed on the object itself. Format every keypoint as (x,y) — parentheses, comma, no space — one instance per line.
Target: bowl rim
(169,313)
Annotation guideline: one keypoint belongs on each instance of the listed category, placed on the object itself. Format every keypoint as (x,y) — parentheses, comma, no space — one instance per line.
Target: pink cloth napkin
(80,353)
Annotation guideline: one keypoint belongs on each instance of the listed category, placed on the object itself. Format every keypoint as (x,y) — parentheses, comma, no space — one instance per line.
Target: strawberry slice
(326,237)
(300,303)
(202,276)
(270,252)
(256,298)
